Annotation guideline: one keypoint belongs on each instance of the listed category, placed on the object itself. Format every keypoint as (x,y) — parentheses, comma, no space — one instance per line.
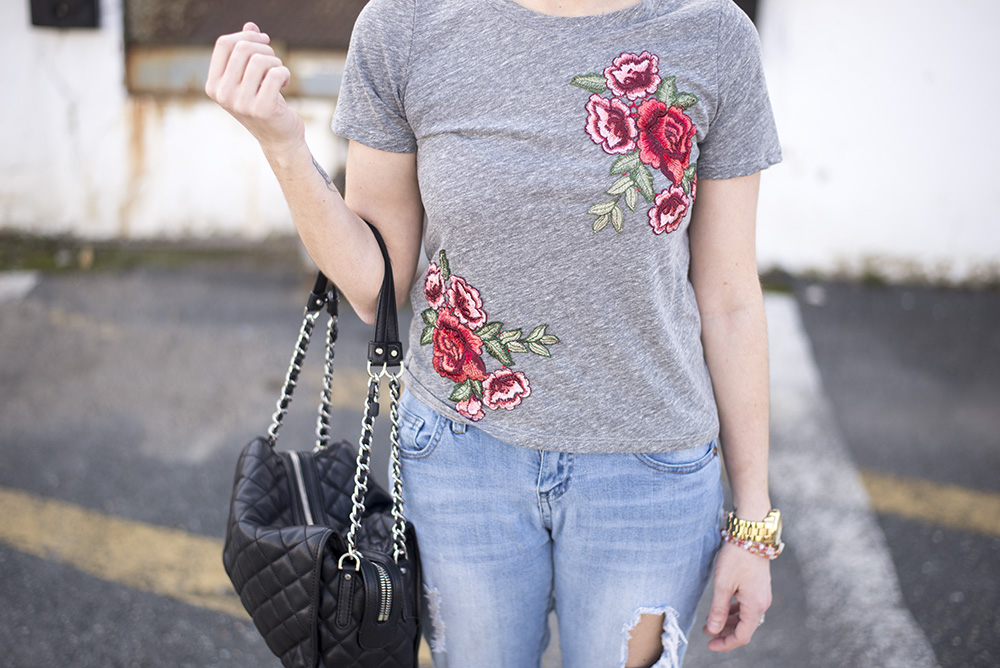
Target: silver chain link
(399,522)
(326,394)
(292,377)
(362,468)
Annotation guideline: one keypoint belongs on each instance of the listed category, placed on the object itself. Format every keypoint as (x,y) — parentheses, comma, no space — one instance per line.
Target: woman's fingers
(226,47)
(258,92)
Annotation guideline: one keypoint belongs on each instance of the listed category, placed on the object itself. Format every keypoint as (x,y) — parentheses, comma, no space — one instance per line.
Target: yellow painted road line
(948,506)
(156,559)
(160,560)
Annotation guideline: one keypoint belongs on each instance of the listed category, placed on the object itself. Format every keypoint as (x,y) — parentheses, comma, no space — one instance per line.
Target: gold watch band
(767,531)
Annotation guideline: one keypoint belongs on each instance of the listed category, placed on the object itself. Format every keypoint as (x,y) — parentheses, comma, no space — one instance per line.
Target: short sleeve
(370,107)
(742,138)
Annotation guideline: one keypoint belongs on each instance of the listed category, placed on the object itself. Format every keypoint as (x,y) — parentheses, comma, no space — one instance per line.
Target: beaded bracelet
(753,547)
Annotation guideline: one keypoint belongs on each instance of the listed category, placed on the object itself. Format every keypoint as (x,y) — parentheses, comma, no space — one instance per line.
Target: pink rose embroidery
(668,210)
(434,287)
(466,303)
(633,76)
(505,388)
(665,135)
(471,408)
(610,126)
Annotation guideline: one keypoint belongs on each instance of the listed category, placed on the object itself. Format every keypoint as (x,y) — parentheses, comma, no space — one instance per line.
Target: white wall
(79,155)
(884,107)
(886,113)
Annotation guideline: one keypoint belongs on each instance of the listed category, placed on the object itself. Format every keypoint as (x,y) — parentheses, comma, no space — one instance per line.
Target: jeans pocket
(420,428)
(688,460)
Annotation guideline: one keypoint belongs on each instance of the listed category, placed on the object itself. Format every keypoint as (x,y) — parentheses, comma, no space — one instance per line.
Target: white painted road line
(15,285)
(856,612)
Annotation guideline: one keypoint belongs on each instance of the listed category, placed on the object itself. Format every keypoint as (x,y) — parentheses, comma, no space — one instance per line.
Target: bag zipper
(385,591)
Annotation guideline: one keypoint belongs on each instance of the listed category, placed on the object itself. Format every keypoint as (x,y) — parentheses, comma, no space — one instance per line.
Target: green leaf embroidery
(517,347)
(601,222)
(593,82)
(602,208)
(461,392)
(429,316)
(549,339)
(623,184)
(644,181)
(626,163)
(539,349)
(690,174)
(445,271)
(427,336)
(499,352)
(477,387)
(489,330)
(686,100)
(617,219)
(510,336)
(667,92)
(537,333)
(631,197)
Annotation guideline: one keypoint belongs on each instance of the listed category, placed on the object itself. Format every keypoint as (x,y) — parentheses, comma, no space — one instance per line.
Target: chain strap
(326,394)
(363,468)
(292,377)
(399,522)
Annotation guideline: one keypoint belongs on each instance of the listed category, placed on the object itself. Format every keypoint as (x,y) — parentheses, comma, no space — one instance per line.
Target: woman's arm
(246,78)
(734,335)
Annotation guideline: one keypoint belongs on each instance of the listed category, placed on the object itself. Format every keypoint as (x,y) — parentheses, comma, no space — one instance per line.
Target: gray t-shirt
(558,161)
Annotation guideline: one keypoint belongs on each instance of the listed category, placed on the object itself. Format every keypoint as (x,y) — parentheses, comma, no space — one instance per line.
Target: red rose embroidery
(610,125)
(471,408)
(633,76)
(434,287)
(668,210)
(457,350)
(505,388)
(665,135)
(466,303)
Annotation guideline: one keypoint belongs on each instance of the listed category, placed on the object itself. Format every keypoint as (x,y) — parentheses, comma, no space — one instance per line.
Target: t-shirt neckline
(537,20)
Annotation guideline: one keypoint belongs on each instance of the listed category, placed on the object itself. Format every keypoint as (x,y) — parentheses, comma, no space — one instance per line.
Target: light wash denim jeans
(507,532)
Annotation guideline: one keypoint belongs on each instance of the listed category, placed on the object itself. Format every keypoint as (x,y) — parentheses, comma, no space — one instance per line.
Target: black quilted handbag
(320,555)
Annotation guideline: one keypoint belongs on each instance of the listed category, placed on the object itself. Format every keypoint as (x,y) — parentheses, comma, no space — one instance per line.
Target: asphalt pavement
(127,391)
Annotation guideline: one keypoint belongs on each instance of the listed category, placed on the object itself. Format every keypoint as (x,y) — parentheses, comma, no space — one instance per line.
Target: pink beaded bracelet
(753,547)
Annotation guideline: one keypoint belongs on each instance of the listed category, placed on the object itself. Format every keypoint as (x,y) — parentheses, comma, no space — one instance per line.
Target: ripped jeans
(507,533)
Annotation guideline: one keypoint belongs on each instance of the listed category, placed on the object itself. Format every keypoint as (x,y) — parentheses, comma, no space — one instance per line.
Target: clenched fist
(245,77)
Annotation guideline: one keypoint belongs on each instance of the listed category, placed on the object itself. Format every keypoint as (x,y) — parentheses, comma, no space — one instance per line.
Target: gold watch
(767,532)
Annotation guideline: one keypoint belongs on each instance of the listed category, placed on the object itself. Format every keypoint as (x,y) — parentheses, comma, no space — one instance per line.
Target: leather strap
(385,348)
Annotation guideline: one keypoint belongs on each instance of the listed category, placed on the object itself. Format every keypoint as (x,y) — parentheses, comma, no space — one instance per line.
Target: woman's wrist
(753,510)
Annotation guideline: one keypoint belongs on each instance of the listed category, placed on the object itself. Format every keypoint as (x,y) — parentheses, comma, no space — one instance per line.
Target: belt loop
(458,427)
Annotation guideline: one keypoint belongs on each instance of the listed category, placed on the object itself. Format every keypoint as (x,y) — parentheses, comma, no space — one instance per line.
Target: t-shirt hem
(377,141)
(534,440)
(741,169)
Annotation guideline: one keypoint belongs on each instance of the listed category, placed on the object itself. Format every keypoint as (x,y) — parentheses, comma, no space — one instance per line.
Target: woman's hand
(245,77)
(741,595)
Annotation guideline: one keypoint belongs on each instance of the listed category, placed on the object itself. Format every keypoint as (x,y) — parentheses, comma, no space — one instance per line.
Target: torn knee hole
(652,639)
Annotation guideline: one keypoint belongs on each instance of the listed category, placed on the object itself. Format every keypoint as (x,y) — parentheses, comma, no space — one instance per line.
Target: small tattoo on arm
(326,177)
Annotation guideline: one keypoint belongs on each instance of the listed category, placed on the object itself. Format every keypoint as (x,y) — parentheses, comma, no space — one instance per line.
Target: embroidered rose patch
(458,327)
(643,122)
